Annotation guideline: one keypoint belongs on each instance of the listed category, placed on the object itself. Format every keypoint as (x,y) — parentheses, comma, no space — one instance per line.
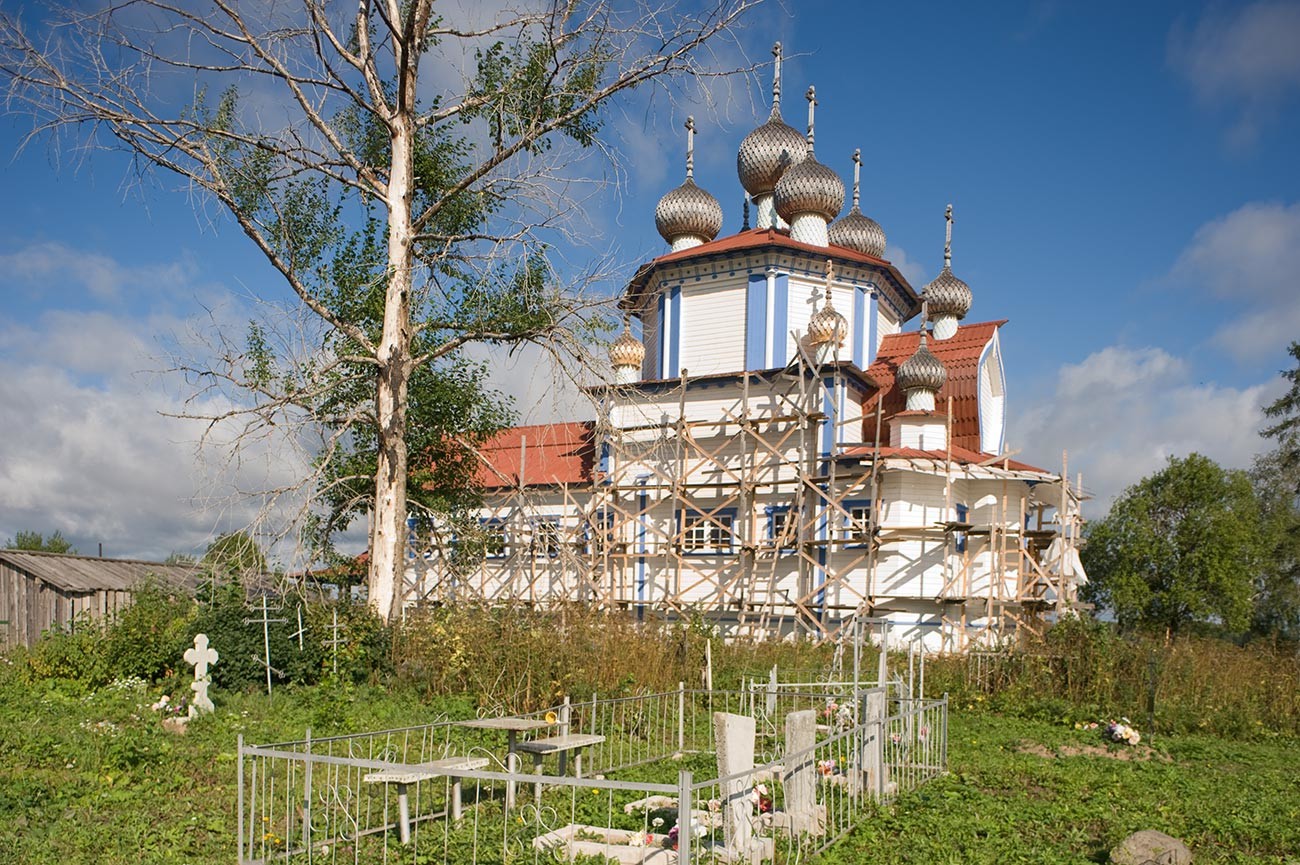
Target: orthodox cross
(947,238)
(334,642)
(266,621)
(201,657)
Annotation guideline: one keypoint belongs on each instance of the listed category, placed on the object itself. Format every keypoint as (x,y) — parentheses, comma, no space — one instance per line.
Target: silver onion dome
(769,150)
(626,350)
(809,186)
(921,371)
(688,211)
(826,324)
(856,230)
(946,294)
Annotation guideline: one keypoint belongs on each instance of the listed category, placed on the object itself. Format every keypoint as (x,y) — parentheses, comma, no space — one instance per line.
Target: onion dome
(770,149)
(688,216)
(626,350)
(947,295)
(921,371)
(856,230)
(827,326)
(809,187)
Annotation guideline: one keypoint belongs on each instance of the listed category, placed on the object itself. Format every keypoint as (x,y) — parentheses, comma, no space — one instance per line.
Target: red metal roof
(960,355)
(560,453)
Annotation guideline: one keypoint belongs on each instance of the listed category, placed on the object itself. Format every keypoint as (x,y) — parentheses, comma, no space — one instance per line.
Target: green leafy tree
(1285,411)
(399,200)
(1180,547)
(235,555)
(37,542)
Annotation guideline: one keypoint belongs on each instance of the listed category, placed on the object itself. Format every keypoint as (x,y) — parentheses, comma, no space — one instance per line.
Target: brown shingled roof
(768,238)
(960,456)
(960,356)
(560,453)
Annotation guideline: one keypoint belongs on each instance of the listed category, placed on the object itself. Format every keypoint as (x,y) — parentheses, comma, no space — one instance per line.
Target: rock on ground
(1150,847)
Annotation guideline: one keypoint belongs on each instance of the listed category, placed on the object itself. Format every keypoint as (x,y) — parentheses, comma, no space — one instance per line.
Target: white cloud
(1251,257)
(913,271)
(89,449)
(1122,412)
(1244,59)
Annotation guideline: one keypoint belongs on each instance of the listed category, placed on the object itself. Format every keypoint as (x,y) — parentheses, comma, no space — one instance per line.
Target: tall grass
(520,659)
(1082,670)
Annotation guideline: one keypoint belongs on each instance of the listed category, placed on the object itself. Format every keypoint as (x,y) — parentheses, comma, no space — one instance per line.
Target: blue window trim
(962,512)
(554,522)
(770,512)
(849,505)
(486,523)
(599,523)
(711,517)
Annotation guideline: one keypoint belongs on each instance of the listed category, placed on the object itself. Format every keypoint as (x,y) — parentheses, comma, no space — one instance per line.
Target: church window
(708,534)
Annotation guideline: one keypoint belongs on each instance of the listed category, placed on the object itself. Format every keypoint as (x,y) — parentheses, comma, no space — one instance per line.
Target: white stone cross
(201,656)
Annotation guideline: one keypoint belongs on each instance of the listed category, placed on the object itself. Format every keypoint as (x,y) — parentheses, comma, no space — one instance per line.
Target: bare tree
(395,169)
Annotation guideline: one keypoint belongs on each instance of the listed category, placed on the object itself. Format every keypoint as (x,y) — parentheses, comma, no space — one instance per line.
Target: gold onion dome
(921,371)
(769,150)
(688,211)
(809,186)
(946,294)
(626,350)
(826,324)
(856,230)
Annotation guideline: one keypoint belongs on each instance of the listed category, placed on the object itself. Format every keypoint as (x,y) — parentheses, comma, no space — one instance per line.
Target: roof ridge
(54,555)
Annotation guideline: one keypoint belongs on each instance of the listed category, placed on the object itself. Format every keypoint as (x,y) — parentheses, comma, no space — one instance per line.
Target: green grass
(94,778)
(1230,801)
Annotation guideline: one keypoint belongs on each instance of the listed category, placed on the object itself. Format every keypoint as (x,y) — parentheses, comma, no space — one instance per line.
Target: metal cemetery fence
(444,792)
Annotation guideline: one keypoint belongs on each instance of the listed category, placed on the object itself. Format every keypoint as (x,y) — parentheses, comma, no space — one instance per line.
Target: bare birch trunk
(388,529)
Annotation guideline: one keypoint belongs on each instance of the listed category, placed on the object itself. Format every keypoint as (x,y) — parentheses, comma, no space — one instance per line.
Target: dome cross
(811,96)
(690,148)
(857,174)
(776,80)
(947,238)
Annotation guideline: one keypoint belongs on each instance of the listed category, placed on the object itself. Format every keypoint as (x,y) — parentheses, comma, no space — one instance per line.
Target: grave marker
(201,656)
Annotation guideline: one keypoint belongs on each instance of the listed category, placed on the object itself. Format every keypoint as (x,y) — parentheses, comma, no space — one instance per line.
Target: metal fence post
(685,833)
(306,799)
(681,716)
(239,799)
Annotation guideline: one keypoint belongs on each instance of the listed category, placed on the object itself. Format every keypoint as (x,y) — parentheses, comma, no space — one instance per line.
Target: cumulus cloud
(90,449)
(1251,257)
(1123,411)
(1243,59)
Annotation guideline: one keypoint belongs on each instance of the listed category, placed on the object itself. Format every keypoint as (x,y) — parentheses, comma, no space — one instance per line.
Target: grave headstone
(734,737)
(201,656)
(801,771)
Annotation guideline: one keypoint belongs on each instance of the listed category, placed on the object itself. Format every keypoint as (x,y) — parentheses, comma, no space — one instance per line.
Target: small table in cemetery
(561,745)
(407,775)
(513,727)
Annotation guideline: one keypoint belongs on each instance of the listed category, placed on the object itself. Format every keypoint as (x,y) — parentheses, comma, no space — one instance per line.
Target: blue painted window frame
(548,525)
(493,526)
(687,518)
(772,511)
(853,541)
(960,537)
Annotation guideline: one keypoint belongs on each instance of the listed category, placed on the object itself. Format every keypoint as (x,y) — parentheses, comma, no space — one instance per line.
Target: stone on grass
(1150,847)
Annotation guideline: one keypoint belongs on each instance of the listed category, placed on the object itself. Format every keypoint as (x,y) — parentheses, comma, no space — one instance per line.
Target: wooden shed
(40,591)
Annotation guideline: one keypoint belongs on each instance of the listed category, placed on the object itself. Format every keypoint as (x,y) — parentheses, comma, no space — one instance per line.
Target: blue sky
(1126,193)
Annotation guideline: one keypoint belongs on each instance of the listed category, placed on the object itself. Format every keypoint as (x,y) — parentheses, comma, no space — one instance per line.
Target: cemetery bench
(405,776)
(562,745)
